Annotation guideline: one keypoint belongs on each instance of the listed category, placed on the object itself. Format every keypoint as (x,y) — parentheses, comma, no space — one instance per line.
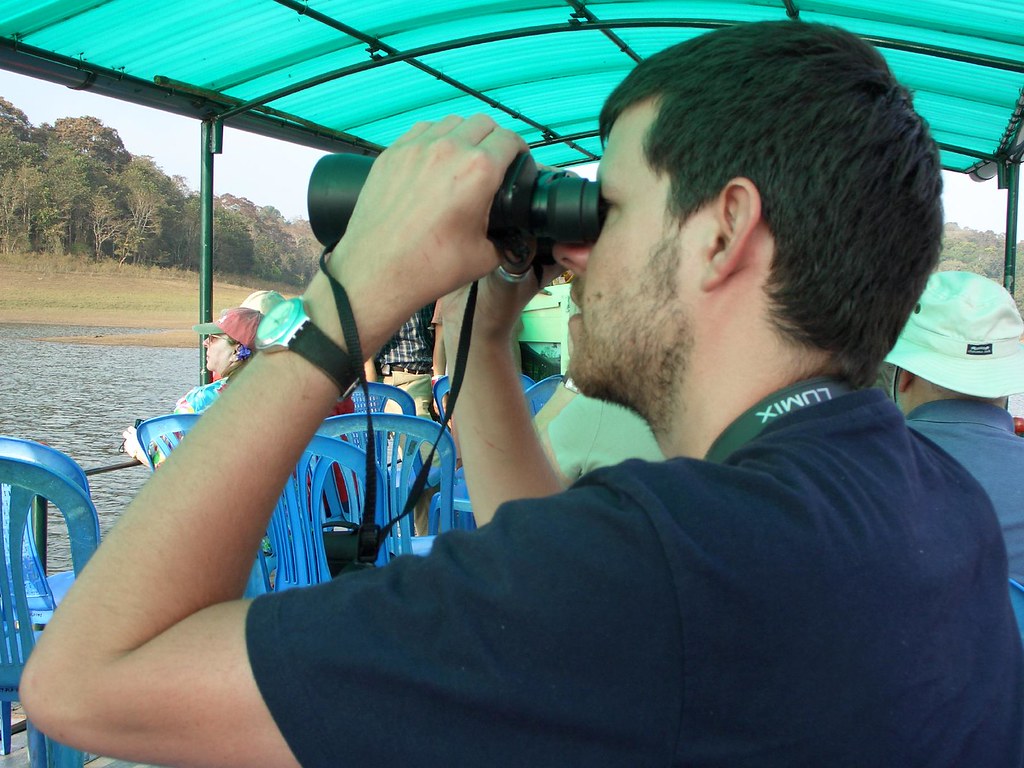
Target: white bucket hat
(964,335)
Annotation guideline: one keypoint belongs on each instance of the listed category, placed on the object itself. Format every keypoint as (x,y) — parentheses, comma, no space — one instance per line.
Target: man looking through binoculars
(803,582)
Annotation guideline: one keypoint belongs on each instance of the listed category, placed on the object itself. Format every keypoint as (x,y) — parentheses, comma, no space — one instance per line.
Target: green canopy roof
(354,74)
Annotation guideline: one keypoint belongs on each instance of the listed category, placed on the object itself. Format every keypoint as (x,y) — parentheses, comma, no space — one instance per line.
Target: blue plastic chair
(538,394)
(312,501)
(444,384)
(161,434)
(381,395)
(29,470)
(396,438)
(441,389)
(44,592)
(460,502)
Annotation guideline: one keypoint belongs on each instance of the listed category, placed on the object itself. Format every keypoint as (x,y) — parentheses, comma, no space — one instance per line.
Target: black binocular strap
(370,535)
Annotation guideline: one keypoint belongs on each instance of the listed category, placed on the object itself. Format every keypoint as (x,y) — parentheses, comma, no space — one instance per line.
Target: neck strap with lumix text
(801,395)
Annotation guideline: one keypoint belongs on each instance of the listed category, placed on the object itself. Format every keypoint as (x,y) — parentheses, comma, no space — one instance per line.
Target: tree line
(73,188)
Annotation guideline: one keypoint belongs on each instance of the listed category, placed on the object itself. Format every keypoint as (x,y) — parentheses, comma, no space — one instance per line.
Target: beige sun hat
(964,335)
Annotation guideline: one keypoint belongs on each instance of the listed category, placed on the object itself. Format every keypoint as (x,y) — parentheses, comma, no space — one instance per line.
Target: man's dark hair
(848,172)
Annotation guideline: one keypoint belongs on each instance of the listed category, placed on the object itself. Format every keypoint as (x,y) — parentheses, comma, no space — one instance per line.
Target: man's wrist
(319,302)
(376,319)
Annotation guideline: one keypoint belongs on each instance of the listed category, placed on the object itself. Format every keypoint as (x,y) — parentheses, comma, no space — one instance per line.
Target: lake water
(78,398)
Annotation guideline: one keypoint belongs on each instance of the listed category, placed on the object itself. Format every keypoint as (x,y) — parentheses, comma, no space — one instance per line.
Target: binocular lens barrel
(334,187)
(545,204)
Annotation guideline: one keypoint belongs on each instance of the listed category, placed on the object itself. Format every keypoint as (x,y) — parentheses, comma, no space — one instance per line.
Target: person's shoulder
(955,415)
(853,424)
(598,509)
(857,453)
(200,398)
(657,489)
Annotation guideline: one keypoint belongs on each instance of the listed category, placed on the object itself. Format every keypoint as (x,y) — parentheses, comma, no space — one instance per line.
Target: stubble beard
(637,353)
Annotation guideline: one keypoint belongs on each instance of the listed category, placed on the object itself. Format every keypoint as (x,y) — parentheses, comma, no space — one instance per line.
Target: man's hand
(420,225)
(131,446)
(499,303)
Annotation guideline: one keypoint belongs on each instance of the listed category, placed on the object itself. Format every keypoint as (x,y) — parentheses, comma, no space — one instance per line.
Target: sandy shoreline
(153,310)
(143,338)
(132,337)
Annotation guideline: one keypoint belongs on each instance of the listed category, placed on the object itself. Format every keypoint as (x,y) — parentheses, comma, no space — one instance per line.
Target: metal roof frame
(68,41)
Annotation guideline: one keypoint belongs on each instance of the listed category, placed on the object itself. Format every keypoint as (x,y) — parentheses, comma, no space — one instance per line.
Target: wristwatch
(287,326)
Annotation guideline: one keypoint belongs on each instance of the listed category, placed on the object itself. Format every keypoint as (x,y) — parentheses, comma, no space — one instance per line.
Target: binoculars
(551,206)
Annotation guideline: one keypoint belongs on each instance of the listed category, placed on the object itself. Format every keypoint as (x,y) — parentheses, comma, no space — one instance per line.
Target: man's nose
(572,257)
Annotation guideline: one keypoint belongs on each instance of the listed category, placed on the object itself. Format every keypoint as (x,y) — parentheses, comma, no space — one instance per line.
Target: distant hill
(73,188)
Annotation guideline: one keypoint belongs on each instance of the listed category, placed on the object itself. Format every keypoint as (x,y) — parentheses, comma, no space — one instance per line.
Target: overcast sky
(276,173)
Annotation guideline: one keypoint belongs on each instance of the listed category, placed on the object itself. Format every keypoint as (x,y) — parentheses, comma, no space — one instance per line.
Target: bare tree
(108,224)
(144,201)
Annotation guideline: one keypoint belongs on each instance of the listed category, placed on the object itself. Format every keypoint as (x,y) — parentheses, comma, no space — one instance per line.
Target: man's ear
(904,379)
(737,217)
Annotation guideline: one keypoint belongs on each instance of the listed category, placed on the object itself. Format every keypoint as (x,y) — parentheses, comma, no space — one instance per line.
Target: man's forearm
(502,456)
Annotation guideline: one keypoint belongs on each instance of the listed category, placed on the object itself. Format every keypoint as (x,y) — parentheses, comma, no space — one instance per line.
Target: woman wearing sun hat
(229,346)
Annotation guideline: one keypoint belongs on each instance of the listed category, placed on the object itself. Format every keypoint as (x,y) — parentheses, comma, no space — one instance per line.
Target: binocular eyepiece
(551,206)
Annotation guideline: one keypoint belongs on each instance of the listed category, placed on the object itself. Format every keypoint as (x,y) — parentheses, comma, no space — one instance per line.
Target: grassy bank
(66,291)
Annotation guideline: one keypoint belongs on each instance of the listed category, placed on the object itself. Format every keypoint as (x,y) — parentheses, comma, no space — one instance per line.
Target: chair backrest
(441,389)
(444,385)
(397,439)
(461,503)
(541,392)
(161,434)
(29,470)
(327,486)
(85,535)
(1017,601)
(381,395)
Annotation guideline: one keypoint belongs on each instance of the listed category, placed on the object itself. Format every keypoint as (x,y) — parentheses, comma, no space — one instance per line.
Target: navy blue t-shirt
(835,594)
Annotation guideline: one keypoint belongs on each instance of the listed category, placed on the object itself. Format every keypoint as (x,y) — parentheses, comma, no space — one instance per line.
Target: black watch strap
(314,345)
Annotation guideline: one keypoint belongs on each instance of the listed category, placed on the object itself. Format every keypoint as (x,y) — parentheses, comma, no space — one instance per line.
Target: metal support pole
(39,528)
(212,138)
(1012,204)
